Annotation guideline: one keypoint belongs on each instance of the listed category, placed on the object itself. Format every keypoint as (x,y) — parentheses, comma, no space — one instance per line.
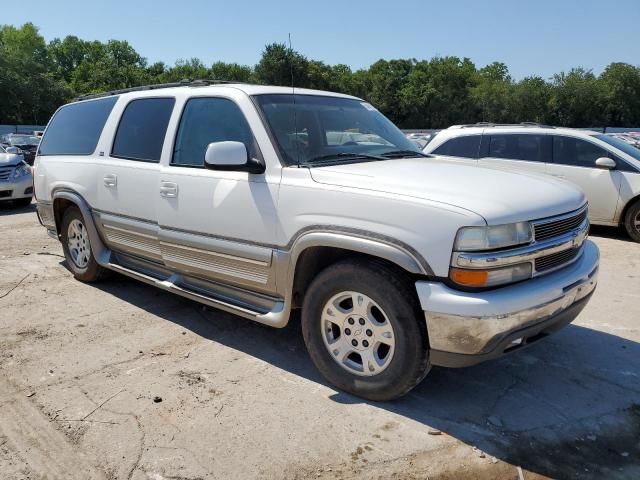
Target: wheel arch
(64,199)
(628,205)
(315,251)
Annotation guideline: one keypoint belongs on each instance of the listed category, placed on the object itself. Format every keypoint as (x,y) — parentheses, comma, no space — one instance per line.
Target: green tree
(109,66)
(437,93)
(29,89)
(279,64)
(576,99)
(530,100)
(230,71)
(492,94)
(621,94)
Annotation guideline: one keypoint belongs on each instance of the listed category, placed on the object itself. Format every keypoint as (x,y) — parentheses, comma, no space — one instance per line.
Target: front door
(574,160)
(217,225)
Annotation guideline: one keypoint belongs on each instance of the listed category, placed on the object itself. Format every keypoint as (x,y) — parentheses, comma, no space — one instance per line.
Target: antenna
(295,113)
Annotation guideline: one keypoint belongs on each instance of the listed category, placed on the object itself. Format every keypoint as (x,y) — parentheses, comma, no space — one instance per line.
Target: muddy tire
(632,221)
(77,247)
(364,329)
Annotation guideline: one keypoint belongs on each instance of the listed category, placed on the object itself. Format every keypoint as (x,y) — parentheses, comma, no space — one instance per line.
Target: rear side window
(526,147)
(142,129)
(573,151)
(209,120)
(466,147)
(76,128)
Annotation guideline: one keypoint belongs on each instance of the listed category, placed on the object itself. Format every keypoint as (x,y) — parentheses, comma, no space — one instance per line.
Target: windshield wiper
(323,159)
(404,153)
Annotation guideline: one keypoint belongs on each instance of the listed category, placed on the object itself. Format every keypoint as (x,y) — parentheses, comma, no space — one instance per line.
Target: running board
(277,317)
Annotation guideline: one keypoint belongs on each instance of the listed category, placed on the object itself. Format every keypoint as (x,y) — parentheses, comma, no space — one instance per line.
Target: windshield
(314,129)
(620,145)
(23,140)
(2,150)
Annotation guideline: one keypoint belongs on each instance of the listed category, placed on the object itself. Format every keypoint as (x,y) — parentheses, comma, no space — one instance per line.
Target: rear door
(129,177)
(574,160)
(524,152)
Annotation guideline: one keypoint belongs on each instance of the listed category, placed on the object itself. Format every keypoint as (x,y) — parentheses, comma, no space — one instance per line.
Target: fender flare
(101,253)
(360,241)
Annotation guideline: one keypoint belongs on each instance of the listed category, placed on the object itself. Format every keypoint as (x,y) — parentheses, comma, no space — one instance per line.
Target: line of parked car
(17,154)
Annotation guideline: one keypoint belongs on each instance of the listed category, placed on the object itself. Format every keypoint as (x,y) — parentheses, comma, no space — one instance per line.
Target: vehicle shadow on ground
(616,233)
(9,208)
(565,407)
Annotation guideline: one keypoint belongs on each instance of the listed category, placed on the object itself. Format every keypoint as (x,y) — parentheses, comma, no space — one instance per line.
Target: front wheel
(632,221)
(364,330)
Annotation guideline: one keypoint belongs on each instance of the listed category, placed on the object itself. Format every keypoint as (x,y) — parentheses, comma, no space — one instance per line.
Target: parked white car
(16,182)
(247,198)
(604,167)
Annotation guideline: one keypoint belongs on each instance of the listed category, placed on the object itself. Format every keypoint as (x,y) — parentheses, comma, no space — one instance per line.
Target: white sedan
(16,181)
(605,167)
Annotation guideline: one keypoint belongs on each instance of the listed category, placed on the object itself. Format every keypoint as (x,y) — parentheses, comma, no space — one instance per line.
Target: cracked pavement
(118,380)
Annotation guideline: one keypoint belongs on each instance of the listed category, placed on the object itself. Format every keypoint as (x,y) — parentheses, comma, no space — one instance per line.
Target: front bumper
(15,189)
(466,328)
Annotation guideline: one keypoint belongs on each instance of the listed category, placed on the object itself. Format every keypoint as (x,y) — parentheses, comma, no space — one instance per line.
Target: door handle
(168,189)
(558,175)
(110,180)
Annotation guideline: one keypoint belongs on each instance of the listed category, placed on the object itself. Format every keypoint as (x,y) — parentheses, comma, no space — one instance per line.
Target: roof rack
(202,82)
(491,124)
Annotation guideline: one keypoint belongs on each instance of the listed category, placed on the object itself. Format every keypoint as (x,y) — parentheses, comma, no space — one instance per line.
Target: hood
(9,159)
(498,196)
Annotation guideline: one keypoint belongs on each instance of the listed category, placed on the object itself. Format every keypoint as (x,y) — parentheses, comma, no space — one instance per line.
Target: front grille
(554,260)
(555,228)
(5,172)
(5,193)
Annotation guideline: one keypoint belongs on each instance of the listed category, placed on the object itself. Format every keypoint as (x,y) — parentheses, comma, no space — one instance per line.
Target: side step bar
(275,318)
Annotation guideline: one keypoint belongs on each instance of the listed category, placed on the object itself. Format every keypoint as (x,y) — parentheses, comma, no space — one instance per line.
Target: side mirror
(231,156)
(13,150)
(606,162)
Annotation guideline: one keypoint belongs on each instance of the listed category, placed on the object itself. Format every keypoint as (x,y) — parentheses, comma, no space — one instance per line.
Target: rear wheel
(364,330)
(632,221)
(77,247)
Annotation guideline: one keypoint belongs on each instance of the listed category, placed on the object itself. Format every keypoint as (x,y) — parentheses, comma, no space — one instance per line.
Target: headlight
(22,170)
(490,278)
(471,239)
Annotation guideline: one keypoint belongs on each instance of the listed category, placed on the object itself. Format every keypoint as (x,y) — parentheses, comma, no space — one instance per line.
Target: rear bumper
(466,328)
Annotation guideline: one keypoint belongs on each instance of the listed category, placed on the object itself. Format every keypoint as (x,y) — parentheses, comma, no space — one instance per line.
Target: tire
(392,354)
(632,221)
(77,248)
(22,202)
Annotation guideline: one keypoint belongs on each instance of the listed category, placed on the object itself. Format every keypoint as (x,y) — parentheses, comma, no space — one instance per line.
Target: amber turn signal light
(469,278)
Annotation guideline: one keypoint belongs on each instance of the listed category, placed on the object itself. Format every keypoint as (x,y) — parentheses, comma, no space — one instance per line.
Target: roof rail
(491,124)
(202,82)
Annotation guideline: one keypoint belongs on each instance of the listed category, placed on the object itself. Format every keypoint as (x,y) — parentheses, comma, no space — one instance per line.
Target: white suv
(606,168)
(259,201)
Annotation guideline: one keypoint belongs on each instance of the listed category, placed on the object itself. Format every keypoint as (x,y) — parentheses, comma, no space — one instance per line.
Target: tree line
(36,77)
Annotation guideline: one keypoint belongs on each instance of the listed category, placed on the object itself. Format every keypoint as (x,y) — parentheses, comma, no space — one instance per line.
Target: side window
(142,129)
(76,128)
(209,120)
(573,151)
(527,147)
(466,147)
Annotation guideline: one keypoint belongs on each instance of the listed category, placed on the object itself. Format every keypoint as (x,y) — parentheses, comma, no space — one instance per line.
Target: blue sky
(531,37)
